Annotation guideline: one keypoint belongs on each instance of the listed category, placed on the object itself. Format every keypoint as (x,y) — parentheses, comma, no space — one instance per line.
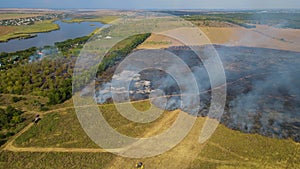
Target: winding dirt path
(9,144)
(10,147)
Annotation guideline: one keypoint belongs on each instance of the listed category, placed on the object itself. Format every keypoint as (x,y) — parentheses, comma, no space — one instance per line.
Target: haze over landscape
(168,84)
(154,4)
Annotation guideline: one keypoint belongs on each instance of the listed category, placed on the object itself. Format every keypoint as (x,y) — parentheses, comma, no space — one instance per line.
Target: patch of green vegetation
(158,42)
(54,160)
(234,19)
(62,93)
(52,77)
(10,117)
(62,129)
(94,32)
(71,44)
(56,130)
(38,27)
(125,126)
(26,103)
(225,149)
(102,19)
(17,99)
(39,78)
(8,37)
(27,31)
(11,120)
(232,148)
(14,59)
(261,144)
(121,50)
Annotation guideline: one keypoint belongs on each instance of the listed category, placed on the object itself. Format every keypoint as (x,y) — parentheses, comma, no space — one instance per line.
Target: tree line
(13,59)
(48,77)
(121,50)
(52,76)
(9,119)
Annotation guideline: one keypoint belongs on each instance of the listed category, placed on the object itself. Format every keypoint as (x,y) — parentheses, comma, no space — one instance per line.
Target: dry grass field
(262,36)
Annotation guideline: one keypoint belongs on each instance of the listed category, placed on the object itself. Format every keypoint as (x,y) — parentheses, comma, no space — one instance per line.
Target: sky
(152,4)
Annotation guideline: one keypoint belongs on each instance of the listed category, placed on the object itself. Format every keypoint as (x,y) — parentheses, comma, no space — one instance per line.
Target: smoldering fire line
(263,91)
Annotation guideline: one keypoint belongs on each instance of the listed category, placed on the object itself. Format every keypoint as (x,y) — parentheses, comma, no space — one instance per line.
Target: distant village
(28,20)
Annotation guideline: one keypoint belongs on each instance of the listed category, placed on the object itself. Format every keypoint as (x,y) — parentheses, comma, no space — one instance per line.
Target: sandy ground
(262,36)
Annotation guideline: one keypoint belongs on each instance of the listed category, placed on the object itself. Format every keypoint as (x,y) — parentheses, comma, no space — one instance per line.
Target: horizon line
(163,9)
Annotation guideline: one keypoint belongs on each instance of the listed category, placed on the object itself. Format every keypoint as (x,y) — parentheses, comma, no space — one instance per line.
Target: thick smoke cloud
(263,89)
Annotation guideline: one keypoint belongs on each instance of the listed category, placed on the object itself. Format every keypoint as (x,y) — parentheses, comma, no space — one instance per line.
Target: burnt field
(263,88)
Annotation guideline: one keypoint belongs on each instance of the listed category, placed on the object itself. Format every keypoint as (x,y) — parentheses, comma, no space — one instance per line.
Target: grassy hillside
(226,148)
(54,160)
(62,129)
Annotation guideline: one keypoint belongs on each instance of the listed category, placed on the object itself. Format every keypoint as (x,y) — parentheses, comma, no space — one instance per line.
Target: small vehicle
(36,119)
(139,165)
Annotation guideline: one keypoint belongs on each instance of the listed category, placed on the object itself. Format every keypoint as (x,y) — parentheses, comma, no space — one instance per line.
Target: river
(66,31)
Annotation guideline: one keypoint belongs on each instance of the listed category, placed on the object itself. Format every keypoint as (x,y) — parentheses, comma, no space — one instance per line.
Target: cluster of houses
(28,20)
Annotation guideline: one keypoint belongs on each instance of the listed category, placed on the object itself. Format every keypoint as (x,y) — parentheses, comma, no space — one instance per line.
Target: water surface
(66,31)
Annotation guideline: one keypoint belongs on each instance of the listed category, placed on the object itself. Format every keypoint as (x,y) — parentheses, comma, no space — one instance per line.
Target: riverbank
(26,31)
(66,31)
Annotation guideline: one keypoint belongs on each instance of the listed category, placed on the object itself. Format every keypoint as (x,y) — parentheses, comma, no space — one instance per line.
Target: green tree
(3,118)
